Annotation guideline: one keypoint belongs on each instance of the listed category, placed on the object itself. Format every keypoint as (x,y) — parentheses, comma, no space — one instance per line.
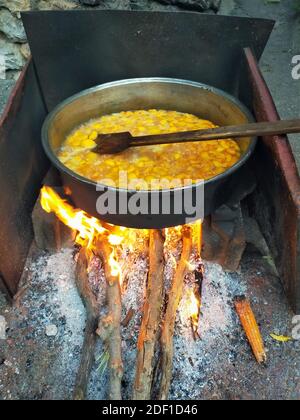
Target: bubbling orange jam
(151,167)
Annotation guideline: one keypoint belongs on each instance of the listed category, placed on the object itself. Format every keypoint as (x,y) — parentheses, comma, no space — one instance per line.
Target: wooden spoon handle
(118,142)
(247,130)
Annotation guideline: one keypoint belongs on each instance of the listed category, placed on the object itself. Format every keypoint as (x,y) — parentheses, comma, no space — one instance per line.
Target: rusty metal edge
(282,154)
(8,117)
(282,147)
(9,108)
(17,90)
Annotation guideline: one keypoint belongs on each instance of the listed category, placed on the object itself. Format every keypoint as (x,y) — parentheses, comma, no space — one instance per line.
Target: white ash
(46,366)
(133,296)
(170,266)
(194,361)
(66,300)
(216,313)
(134,266)
(98,384)
(134,292)
(56,273)
(52,299)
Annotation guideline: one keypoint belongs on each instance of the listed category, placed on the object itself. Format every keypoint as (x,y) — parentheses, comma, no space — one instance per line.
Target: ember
(194,310)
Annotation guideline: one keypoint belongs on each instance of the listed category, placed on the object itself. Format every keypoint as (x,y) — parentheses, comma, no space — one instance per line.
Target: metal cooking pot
(170,94)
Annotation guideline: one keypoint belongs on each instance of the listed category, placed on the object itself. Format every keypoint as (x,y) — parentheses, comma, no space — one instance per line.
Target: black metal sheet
(75,50)
(23,165)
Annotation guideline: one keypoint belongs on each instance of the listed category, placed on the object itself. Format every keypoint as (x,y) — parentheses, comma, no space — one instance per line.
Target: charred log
(151,318)
(90,338)
(171,311)
(109,328)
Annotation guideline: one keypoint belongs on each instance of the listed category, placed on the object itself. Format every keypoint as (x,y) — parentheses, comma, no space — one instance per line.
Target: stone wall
(13,45)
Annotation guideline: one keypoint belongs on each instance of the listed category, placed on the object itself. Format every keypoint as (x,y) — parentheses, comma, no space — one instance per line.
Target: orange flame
(191,267)
(115,239)
(194,306)
(199,236)
(88,229)
(115,268)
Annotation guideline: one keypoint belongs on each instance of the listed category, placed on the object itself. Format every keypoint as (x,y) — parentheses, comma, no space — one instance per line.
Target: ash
(193,360)
(50,297)
(196,361)
(36,366)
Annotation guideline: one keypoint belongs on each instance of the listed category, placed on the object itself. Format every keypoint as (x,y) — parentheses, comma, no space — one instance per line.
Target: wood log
(171,311)
(199,270)
(87,360)
(251,328)
(50,233)
(109,328)
(92,308)
(151,318)
(198,293)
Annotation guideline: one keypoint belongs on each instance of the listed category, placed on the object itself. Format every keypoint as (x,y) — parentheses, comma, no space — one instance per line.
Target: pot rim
(61,167)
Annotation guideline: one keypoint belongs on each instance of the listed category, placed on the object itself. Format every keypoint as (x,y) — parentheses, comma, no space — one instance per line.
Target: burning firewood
(170,317)
(195,303)
(151,318)
(251,328)
(109,328)
(196,299)
(90,338)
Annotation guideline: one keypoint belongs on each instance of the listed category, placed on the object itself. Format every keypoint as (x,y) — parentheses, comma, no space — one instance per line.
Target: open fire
(88,231)
(181,245)
(170,294)
(143,289)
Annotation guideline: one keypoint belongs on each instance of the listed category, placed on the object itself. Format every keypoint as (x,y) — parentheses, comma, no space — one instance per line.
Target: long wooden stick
(109,328)
(151,318)
(90,338)
(117,142)
(251,328)
(170,317)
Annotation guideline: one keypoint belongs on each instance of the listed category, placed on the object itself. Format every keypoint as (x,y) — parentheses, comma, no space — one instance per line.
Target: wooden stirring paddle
(118,142)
